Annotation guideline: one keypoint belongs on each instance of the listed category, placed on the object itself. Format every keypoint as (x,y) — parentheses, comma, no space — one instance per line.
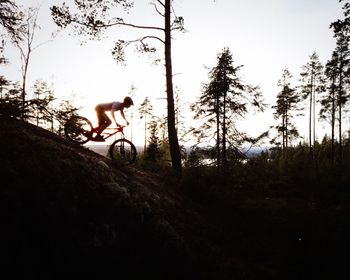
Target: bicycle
(79,130)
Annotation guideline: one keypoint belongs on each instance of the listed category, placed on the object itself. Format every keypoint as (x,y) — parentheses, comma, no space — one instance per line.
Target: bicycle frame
(106,134)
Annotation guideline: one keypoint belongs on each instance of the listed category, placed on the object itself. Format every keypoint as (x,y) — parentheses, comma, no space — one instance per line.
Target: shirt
(112,106)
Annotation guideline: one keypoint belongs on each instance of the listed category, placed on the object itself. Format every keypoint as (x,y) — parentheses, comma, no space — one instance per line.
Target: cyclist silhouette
(104,121)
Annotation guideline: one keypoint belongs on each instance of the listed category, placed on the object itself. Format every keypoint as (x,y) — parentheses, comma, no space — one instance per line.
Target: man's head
(128,102)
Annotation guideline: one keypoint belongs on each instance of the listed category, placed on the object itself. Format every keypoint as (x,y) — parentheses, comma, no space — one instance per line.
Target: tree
(312,85)
(341,29)
(287,100)
(10,103)
(92,18)
(4,83)
(153,152)
(179,116)
(162,126)
(42,103)
(223,100)
(329,101)
(145,110)
(24,41)
(65,111)
(132,95)
(10,17)
(342,25)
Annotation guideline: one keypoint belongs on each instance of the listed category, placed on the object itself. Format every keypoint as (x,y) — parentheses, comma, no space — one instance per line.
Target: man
(104,121)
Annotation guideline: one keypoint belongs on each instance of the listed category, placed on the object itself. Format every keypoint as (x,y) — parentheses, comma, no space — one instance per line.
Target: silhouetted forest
(283,210)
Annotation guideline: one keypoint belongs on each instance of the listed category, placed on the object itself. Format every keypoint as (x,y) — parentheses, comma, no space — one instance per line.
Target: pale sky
(263,35)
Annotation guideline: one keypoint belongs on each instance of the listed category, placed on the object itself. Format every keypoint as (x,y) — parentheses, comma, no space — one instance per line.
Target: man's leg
(104,122)
(100,121)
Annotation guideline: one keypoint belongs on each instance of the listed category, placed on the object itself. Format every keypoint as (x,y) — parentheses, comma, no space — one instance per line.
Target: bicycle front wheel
(123,151)
(78,129)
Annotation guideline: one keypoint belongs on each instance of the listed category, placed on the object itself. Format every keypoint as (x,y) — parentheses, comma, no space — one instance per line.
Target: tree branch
(161,3)
(151,37)
(120,23)
(156,8)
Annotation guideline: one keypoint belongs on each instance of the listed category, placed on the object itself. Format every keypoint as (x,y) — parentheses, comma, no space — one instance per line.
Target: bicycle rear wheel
(78,129)
(123,151)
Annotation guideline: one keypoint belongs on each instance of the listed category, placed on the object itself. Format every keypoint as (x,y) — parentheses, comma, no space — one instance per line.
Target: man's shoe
(99,138)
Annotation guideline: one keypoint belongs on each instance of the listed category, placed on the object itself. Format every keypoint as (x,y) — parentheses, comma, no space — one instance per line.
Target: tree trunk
(340,93)
(224,156)
(340,130)
(145,143)
(310,122)
(286,147)
(333,122)
(218,153)
(24,77)
(173,140)
(314,111)
(283,134)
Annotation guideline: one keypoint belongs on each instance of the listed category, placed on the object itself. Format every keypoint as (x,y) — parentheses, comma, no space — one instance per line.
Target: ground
(66,209)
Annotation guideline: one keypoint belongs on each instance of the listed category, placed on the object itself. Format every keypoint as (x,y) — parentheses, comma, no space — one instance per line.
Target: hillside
(67,209)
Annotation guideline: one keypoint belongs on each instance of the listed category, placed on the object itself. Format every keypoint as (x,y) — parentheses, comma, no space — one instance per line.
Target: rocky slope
(65,210)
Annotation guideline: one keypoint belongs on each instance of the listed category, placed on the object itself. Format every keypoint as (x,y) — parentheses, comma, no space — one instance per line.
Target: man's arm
(122,113)
(113,112)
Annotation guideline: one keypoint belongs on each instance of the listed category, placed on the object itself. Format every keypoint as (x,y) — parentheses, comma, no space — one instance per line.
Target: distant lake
(99,149)
(102,149)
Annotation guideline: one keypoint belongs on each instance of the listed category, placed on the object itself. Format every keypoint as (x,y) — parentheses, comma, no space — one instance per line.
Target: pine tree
(223,100)
(42,103)
(11,102)
(145,111)
(341,29)
(342,48)
(153,151)
(66,109)
(328,101)
(287,100)
(312,85)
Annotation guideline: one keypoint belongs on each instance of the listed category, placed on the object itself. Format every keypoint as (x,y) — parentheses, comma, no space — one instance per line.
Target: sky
(263,35)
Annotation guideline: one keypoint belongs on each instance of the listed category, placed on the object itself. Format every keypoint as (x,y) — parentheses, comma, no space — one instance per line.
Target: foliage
(42,103)
(341,62)
(24,41)
(153,152)
(224,100)
(270,174)
(145,111)
(286,105)
(179,115)
(40,109)
(10,18)
(312,86)
(11,103)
